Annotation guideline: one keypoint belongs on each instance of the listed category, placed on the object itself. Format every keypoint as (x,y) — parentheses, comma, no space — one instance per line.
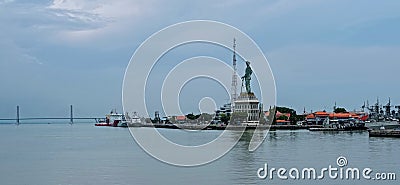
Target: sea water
(84,154)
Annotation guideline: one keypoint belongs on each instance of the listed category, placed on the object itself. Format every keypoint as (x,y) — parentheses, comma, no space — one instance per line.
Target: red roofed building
(316,118)
(320,116)
(278,115)
(282,122)
(180,119)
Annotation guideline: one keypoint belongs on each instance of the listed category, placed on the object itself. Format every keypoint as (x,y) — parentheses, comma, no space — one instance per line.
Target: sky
(62,52)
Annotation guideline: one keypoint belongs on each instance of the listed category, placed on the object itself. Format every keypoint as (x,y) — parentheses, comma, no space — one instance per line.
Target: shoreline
(224,127)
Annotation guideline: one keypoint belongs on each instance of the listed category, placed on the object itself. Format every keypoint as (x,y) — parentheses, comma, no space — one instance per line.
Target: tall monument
(247,102)
(247,77)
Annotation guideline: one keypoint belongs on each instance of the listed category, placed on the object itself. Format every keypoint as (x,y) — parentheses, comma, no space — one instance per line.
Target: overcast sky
(62,52)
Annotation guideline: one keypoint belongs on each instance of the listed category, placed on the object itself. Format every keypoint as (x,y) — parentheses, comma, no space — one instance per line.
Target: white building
(248,103)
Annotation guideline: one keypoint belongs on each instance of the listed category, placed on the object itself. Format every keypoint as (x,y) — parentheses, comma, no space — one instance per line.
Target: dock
(323,129)
(338,129)
(232,127)
(384,133)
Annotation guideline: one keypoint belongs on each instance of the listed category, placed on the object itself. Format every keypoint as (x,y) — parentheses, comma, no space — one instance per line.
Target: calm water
(83,154)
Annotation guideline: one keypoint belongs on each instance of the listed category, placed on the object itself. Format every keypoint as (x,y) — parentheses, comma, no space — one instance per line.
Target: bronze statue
(247,77)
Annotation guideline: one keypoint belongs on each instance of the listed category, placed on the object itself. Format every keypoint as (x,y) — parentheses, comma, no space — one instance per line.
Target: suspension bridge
(71,117)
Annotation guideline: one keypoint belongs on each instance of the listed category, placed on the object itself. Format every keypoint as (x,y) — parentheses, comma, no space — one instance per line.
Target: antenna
(363,107)
(334,107)
(234,76)
(387,108)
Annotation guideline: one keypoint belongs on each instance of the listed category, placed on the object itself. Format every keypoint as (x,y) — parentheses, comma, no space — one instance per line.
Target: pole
(17,114)
(72,115)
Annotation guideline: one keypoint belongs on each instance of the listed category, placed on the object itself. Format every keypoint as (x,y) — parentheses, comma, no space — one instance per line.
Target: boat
(134,120)
(102,124)
(387,124)
(341,125)
(383,116)
(113,119)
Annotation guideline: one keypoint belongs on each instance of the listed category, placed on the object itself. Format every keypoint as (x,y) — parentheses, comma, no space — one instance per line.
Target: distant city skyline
(57,53)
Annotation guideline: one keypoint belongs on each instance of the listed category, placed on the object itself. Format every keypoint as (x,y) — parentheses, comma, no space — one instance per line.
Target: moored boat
(341,125)
(113,119)
(102,124)
(134,120)
(376,125)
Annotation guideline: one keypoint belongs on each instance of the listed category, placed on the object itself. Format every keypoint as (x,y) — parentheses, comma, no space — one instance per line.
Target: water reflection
(311,149)
(242,160)
(86,154)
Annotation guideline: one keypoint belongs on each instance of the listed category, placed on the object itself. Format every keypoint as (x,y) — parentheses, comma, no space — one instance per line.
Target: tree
(294,118)
(238,117)
(206,117)
(191,116)
(340,110)
(148,120)
(270,119)
(282,117)
(173,119)
(285,110)
(225,118)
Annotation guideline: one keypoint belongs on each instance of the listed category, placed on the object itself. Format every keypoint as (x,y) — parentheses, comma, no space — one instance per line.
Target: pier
(232,127)
(384,133)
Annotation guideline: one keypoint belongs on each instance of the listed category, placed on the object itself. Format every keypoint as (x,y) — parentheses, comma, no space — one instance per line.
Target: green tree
(173,119)
(238,117)
(225,118)
(191,116)
(285,110)
(294,118)
(282,117)
(340,110)
(206,117)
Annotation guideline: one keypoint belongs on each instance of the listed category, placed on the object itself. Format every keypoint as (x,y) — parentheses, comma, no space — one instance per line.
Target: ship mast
(234,76)
(387,109)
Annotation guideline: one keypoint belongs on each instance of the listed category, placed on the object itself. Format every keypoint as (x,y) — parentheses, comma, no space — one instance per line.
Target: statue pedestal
(248,103)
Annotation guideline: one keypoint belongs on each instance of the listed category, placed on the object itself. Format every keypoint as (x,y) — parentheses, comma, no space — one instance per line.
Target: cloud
(6,1)
(91,36)
(11,53)
(83,12)
(74,21)
(107,17)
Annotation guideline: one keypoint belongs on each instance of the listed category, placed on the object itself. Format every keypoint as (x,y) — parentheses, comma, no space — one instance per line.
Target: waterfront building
(180,119)
(318,118)
(248,103)
(226,110)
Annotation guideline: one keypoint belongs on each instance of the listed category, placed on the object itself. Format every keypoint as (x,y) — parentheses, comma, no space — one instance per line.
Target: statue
(247,77)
